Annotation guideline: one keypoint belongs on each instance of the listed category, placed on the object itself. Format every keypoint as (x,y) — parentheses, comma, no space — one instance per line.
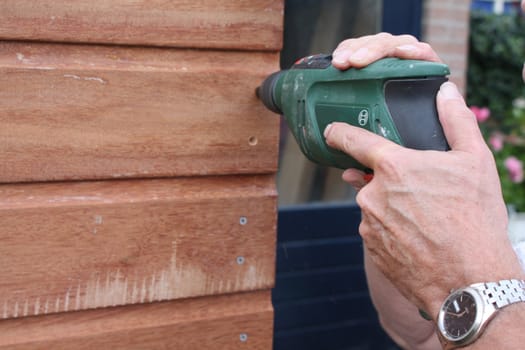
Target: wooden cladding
(230,24)
(73,112)
(67,247)
(239,321)
(137,174)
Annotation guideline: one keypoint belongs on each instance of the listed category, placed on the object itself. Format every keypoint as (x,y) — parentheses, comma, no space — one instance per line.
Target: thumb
(458,122)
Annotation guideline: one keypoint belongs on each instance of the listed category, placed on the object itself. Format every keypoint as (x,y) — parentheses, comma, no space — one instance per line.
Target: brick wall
(446,28)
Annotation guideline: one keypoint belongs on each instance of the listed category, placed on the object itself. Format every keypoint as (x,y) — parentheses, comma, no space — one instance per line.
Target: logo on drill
(362,119)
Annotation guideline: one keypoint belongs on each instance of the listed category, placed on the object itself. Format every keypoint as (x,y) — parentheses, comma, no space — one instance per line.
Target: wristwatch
(466,311)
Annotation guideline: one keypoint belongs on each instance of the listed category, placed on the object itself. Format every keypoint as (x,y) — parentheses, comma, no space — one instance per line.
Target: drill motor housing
(391,97)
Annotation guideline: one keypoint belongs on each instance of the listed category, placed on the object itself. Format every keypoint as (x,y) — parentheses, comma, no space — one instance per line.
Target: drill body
(393,98)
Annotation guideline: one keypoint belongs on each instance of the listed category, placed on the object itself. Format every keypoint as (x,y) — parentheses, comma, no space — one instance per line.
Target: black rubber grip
(266,94)
(412,106)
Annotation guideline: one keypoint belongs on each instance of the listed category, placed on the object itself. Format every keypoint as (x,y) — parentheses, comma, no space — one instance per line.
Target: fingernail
(449,91)
(327,130)
(360,54)
(340,56)
(337,57)
(407,47)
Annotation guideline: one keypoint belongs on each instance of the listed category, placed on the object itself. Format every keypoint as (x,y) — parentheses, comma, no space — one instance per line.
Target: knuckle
(384,36)
(468,114)
(360,199)
(425,46)
(408,38)
(385,157)
(347,143)
(391,165)
(365,232)
(347,44)
(343,44)
(363,200)
(486,155)
(386,164)
(339,137)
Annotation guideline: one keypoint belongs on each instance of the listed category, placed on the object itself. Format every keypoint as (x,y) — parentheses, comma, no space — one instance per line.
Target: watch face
(459,315)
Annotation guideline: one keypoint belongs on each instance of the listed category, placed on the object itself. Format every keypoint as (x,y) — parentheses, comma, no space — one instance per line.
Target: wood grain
(239,321)
(73,246)
(230,24)
(87,112)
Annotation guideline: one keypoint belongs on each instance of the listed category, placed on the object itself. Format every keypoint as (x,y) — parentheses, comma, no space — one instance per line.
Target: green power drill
(392,97)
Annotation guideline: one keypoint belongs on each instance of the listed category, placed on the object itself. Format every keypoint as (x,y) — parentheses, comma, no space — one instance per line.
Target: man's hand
(431,220)
(362,51)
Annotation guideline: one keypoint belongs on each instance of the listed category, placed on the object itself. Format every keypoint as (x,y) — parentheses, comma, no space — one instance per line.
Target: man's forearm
(399,318)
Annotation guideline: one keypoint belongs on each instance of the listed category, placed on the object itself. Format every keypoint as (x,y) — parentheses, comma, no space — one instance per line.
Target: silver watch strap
(503,293)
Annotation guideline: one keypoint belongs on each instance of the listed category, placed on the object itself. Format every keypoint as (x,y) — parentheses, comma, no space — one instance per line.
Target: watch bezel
(474,330)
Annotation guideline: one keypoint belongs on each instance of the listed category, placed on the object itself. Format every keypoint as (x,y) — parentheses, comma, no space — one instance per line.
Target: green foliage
(514,146)
(496,55)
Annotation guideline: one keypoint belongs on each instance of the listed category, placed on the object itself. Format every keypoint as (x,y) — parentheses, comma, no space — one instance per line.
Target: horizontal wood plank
(83,245)
(231,24)
(239,321)
(73,112)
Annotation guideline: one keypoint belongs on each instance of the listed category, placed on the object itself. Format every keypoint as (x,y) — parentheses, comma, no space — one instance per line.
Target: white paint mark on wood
(106,293)
(251,278)
(125,294)
(37,307)
(134,293)
(77,298)
(26,308)
(66,199)
(143,291)
(66,301)
(152,289)
(97,292)
(21,58)
(98,221)
(57,305)
(164,286)
(117,175)
(43,68)
(174,281)
(76,77)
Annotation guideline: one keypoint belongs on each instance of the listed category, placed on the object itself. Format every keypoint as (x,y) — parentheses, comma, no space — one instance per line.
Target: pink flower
(515,168)
(481,113)
(496,141)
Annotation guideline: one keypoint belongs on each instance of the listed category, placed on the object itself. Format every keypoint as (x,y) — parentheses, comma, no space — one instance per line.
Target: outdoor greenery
(496,94)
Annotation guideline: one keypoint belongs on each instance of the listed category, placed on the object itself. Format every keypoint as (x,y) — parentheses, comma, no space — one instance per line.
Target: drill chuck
(266,92)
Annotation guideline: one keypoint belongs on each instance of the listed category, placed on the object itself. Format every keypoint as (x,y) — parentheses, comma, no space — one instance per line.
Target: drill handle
(412,106)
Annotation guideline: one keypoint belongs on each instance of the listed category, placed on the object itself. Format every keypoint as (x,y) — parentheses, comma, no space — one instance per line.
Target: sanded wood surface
(238,24)
(239,321)
(87,112)
(73,246)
